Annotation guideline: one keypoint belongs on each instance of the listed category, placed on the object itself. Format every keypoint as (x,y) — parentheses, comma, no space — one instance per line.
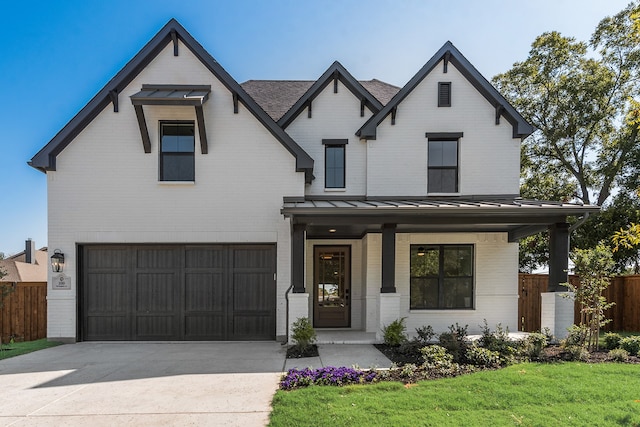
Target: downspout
(286,297)
(579,222)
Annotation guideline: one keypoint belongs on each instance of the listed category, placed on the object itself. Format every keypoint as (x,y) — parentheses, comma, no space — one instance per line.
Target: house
(23,314)
(191,207)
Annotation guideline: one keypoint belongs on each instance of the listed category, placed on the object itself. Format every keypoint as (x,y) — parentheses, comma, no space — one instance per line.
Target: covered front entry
(332,287)
(177,292)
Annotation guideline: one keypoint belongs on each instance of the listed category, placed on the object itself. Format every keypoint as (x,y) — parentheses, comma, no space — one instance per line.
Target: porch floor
(344,336)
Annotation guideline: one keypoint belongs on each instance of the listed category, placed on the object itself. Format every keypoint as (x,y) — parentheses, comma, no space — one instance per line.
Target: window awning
(187,95)
(172,95)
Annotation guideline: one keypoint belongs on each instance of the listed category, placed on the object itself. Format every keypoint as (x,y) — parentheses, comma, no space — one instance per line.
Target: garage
(177,292)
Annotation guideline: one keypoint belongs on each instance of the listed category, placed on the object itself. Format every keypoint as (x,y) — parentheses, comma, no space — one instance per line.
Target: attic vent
(444,94)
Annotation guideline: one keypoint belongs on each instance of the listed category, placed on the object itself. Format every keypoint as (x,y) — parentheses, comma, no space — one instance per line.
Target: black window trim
(445,136)
(162,123)
(336,143)
(441,276)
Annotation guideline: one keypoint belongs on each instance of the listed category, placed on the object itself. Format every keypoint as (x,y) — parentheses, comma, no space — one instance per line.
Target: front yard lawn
(19,348)
(528,394)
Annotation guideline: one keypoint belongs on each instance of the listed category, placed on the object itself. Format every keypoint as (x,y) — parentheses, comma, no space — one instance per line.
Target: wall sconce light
(420,251)
(57,261)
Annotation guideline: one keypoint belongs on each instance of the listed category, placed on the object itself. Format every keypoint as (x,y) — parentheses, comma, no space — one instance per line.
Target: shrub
(577,336)
(328,375)
(479,356)
(618,355)
(394,333)
(455,341)
(425,334)
(409,372)
(533,345)
(499,342)
(302,333)
(577,352)
(611,340)
(631,344)
(436,356)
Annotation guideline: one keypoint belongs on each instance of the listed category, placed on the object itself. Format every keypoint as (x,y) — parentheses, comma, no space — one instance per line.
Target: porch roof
(353,217)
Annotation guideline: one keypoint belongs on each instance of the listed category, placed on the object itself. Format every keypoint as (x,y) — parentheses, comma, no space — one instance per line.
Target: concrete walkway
(152,384)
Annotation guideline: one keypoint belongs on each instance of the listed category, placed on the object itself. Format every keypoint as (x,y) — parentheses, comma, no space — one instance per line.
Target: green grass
(19,348)
(529,394)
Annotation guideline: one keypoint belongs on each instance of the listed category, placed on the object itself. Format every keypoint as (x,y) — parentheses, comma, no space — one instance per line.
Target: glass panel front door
(332,293)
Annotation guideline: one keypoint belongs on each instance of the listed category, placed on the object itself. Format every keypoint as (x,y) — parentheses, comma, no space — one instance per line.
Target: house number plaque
(60,281)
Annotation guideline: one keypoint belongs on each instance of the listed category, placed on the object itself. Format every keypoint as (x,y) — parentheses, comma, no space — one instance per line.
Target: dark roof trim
(335,141)
(443,135)
(335,72)
(45,159)
(171,95)
(521,128)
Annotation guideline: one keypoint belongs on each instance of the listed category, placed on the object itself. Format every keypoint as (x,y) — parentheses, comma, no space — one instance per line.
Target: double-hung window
(442,160)
(334,162)
(177,151)
(441,277)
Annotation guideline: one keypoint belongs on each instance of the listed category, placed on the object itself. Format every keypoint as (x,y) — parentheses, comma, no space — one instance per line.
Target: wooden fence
(623,290)
(24,314)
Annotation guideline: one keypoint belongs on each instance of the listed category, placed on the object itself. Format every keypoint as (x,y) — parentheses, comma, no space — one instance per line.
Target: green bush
(394,333)
(631,344)
(577,336)
(577,352)
(302,333)
(425,334)
(455,341)
(479,356)
(611,340)
(533,345)
(618,355)
(499,342)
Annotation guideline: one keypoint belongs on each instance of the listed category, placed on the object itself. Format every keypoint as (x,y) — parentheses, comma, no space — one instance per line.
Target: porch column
(297,258)
(558,256)
(388,259)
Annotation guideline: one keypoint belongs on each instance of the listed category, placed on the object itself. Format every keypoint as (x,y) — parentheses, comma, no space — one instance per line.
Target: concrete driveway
(142,384)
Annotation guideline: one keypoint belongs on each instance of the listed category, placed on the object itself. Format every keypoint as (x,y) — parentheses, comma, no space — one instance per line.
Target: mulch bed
(295,352)
(553,353)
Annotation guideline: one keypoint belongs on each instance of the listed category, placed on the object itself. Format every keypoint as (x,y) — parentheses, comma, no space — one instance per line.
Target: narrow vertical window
(177,149)
(444,94)
(334,163)
(442,162)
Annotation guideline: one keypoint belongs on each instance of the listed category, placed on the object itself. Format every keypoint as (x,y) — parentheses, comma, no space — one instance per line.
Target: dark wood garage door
(170,292)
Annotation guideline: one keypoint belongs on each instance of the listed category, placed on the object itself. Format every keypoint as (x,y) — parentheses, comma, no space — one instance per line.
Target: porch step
(337,336)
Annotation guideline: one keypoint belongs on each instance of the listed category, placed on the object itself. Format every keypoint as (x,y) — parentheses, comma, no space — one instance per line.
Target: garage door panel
(158,258)
(253,258)
(107,258)
(156,327)
(205,327)
(253,291)
(204,292)
(157,292)
(250,327)
(206,257)
(107,292)
(104,328)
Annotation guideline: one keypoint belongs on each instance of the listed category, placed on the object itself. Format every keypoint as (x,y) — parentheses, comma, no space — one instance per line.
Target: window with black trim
(334,163)
(177,151)
(444,94)
(442,163)
(441,277)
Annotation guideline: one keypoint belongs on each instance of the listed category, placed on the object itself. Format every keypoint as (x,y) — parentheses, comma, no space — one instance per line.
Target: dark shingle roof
(276,97)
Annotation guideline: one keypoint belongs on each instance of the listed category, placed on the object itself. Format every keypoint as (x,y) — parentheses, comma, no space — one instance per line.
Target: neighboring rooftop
(18,270)
(276,97)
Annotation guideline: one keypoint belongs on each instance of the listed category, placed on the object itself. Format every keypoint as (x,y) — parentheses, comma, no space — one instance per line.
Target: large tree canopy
(584,100)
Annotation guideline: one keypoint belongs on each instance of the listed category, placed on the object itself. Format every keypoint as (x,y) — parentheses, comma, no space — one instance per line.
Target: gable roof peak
(448,52)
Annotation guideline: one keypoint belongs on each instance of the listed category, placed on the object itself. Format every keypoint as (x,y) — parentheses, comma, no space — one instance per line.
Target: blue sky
(58,54)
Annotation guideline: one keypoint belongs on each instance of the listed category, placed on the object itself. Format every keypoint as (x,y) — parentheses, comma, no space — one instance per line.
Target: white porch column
(298,307)
(389,311)
(557,312)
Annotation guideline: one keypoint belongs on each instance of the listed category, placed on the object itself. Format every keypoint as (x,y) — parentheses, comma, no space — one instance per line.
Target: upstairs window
(443,166)
(444,94)
(177,149)
(334,163)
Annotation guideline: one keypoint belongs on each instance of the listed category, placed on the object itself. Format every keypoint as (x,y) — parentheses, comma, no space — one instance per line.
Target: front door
(332,290)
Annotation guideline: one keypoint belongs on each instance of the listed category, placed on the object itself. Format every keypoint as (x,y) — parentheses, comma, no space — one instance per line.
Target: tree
(593,266)
(586,110)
